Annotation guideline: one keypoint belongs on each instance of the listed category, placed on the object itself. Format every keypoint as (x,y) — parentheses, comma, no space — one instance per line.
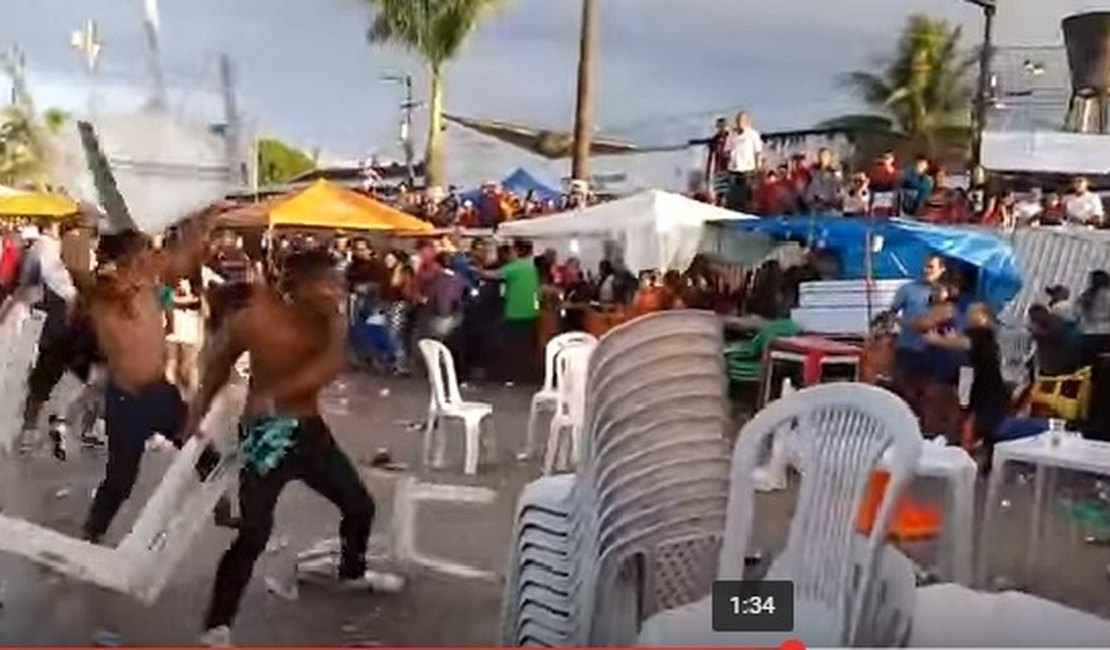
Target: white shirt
(1027,210)
(1084,208)
(48,252)
(857,202)
(743,150)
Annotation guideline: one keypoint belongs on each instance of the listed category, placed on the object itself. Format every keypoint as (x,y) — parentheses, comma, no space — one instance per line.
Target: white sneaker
(217,637)
(158,442)
(378,581)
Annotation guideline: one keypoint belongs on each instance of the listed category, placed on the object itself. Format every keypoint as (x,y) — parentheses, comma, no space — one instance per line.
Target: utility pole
(233,134)
(153,25)
(88,44)
(17,61)
(983,88)
(583,114)
(408,107)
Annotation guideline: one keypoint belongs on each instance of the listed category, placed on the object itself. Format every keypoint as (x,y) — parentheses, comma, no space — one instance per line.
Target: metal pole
(583,115)
(406,131)
(983,98)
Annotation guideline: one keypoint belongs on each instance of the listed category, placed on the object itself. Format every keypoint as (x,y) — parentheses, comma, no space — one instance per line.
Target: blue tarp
(905,245)
(520,182)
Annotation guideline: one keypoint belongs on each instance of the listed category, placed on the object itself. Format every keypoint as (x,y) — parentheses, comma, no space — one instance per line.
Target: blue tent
(520,182)
(904,247)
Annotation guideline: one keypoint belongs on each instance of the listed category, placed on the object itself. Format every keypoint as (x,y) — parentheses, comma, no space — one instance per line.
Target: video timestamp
(753,606)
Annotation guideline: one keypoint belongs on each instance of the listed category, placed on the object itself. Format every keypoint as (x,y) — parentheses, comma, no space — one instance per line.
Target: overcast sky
(307,73)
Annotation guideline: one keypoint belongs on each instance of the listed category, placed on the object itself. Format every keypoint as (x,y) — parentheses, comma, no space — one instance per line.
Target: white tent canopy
(655,230)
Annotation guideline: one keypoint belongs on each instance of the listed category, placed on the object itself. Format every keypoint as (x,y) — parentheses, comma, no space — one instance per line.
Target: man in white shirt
(745,150)
(1084,206)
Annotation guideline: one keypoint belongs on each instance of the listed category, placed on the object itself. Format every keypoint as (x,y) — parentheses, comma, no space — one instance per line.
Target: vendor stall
(323,205)
(18,203)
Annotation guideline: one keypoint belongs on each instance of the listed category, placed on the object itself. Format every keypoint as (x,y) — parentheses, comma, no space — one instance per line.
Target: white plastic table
(952,616)
(958,470)
(1074,453)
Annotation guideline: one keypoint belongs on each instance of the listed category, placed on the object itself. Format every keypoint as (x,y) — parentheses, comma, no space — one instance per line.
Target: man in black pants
(296,341)
(65,344)
(124,311)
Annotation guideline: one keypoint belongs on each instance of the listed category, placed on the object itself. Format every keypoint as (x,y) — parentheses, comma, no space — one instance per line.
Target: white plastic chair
(19,335)
(840,432)
(547,397)
(563,440)
(446,402)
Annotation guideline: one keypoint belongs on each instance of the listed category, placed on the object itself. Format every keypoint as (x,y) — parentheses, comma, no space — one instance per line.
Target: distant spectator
(1054,212)
(745,150)
(857,200)
(884,180)
(1058,349)
(798,172)
(1028,210)
(773,195)
(916,186)
(716,163)
(824,192)
(1001,214)
(1059,301)
(980,194)
(944,205)
(1084,206)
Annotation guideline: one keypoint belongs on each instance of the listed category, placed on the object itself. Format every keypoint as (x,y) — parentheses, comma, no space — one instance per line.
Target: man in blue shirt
(911,304)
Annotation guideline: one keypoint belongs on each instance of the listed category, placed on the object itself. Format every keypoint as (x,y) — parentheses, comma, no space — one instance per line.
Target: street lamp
(407,108)
(982,94)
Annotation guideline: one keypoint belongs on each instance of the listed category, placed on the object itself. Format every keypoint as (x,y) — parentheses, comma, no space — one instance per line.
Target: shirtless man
(122,304)
(296,337)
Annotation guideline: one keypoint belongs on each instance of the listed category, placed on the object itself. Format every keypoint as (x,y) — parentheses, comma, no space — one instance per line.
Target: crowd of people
(942,328)
(490,205)
(112,322)
(737,176)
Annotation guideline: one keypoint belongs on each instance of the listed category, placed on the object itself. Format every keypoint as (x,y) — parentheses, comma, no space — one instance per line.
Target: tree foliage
(924,88)
(24,134)
(280,163)
(435,31)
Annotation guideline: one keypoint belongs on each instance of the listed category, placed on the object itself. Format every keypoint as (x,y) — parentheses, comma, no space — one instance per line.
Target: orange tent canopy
(327,205)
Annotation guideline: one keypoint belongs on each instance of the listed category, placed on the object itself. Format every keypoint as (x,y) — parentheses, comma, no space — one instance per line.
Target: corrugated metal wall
(1048,256)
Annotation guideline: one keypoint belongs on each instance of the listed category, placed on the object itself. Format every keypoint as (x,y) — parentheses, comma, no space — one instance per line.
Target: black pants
(318,461)
(739,191)
(62,348)
(129,419)
(1096,352)
(518,351)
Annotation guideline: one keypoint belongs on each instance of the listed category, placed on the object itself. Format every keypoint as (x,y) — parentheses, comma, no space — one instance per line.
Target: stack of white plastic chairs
(637,528)
(19,335)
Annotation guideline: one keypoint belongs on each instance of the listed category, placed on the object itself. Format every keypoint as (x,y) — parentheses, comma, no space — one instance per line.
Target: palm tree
(434,30)
(924,88)
(583,113)
(22,139)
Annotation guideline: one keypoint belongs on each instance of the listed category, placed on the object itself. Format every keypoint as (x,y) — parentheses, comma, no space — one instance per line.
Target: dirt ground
(367,413)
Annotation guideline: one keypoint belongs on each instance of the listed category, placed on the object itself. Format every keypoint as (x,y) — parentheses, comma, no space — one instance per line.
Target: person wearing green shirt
(521,291)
